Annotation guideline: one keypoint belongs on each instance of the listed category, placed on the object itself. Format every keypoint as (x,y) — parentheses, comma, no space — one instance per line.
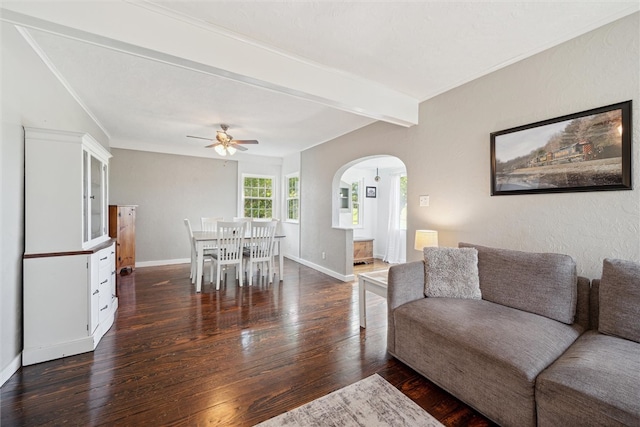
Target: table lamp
(425,238)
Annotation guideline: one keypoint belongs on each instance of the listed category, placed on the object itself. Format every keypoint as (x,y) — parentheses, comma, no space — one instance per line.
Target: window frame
(406,204)
(288,197)
(360,203)
(244,197)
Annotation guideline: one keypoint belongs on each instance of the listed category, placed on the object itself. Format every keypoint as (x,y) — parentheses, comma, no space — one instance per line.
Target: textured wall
(168,188)
(447,157)
(31,96)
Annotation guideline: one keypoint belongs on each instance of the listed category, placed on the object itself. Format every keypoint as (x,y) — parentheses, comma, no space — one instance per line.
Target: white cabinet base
(62,296)
(31,356)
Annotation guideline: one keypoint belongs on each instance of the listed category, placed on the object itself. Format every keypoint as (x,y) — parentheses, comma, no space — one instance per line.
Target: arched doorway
(367,200)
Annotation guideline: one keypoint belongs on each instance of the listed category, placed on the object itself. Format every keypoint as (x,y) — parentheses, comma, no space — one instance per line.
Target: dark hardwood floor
(234,357)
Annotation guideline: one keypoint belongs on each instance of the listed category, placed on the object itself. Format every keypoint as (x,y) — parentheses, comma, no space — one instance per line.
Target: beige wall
(447,157)
(168,188)
(31,96)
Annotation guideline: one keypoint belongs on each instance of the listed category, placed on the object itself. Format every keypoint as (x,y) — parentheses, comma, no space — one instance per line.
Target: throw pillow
(620,299)
(451,273)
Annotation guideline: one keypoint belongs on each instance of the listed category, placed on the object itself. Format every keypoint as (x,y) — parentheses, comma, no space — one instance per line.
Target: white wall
(31,96)
(447,157)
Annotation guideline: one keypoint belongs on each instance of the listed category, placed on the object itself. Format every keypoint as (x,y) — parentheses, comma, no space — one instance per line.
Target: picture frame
(585,151)
(371,192)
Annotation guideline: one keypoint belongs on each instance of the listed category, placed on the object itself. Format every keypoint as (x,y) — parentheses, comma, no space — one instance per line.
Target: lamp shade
(425,238)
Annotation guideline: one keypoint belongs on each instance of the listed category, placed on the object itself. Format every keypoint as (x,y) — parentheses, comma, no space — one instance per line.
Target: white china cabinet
(69,262)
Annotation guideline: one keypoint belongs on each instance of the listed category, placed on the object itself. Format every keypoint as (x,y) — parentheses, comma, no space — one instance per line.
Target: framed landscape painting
(586,151)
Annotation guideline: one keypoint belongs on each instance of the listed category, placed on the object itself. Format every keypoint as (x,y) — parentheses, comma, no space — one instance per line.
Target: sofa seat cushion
(486,354)
(596,382)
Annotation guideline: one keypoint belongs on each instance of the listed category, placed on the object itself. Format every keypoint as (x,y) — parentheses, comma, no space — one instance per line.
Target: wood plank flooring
(229,358)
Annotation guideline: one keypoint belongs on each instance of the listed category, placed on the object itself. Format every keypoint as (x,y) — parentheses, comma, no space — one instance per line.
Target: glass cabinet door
(85,197)
(96,198)
(94,208)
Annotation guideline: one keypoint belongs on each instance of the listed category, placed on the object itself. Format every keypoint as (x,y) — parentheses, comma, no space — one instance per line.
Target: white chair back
(209,223)
(261,243)
(260,249)
(230,241)
(187,224)
(230,248)
(192,244)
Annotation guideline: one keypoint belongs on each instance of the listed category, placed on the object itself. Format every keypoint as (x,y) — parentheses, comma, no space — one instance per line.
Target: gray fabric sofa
(488,352)
(597,381)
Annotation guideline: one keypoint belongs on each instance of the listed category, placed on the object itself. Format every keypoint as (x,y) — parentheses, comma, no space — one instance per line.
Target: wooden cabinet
(69,297)
(122,227)
(362,251)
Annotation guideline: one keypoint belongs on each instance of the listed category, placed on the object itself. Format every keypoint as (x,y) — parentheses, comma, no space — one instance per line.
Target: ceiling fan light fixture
(224,144)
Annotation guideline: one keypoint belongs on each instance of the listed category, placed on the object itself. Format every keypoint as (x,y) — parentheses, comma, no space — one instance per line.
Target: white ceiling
(290,74)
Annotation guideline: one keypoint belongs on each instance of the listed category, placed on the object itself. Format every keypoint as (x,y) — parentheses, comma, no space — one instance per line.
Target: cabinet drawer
(104,299)
(104,258)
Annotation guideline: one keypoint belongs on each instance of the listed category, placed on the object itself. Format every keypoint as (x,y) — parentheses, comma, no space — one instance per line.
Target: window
(257,196)
(293,198)
(356,209)
(403,202)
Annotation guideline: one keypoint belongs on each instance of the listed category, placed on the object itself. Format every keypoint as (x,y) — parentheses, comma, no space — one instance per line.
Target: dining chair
(260,247)
(229,250)
(194,254)
(208,223)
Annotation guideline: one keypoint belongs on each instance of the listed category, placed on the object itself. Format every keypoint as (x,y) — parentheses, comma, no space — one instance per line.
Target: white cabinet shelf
(69,262)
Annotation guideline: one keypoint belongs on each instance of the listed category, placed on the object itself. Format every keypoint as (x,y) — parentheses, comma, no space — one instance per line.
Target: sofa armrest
(405,283)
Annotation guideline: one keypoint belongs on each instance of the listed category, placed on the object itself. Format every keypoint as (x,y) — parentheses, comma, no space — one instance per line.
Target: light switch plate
(424,201)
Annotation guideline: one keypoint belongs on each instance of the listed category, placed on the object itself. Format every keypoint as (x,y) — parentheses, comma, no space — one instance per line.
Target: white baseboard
(335,275)
(342,277)
(163,262)
(10,369)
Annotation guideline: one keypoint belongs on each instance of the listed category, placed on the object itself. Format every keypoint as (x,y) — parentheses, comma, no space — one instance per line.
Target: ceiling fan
(224,143)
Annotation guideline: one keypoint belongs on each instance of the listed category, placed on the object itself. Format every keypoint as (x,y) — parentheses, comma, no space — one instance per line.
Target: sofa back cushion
(540,283)
(620,299)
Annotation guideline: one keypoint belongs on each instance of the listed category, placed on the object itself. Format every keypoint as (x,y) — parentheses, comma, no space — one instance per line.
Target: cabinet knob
(104,308)
(96,292)
(105,281)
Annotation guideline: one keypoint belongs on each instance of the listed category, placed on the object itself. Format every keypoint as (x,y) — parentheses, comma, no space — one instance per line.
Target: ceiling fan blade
(244,141)
(239,147)
(200,137)
(212,145)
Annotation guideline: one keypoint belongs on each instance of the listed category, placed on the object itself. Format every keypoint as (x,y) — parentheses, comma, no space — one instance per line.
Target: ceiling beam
(155,33)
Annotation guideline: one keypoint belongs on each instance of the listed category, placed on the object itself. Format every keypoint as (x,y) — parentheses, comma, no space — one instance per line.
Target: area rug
(369,402)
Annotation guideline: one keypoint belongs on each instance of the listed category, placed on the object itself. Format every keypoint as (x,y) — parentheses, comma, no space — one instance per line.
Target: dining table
(210,238)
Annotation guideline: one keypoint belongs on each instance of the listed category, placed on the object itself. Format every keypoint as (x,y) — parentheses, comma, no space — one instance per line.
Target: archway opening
(369,198)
